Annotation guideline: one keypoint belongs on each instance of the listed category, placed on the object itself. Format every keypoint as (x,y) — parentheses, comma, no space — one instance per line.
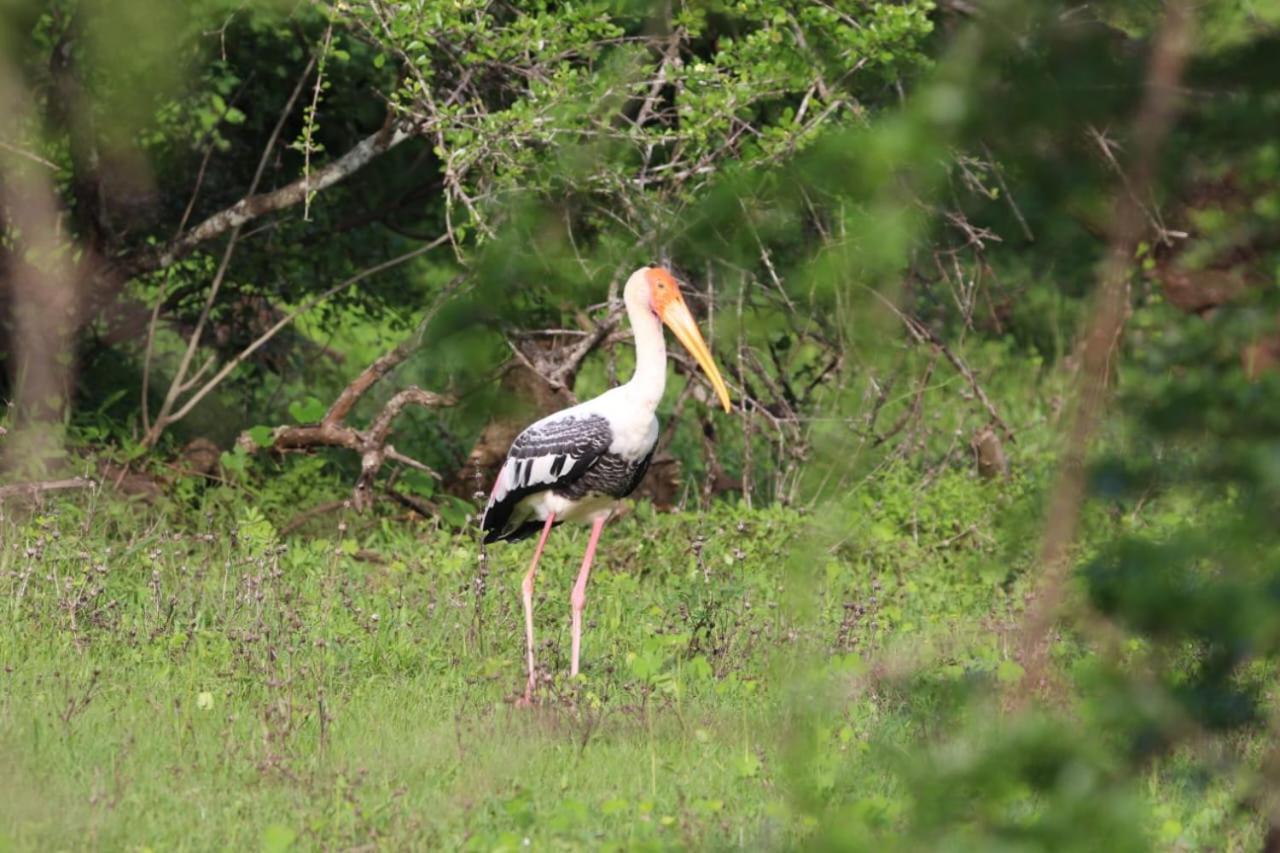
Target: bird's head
(658,285)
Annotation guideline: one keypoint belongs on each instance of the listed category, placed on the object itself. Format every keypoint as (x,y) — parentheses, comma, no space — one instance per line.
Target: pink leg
(527,589)
(579,597)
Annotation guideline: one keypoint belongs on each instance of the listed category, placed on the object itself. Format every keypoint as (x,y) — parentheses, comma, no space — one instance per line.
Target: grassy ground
(171,683)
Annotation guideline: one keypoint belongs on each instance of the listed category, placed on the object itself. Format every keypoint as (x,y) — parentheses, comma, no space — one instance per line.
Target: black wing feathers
(550,454)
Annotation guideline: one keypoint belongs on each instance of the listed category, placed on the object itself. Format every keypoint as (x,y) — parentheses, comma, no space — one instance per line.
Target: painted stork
(576,464)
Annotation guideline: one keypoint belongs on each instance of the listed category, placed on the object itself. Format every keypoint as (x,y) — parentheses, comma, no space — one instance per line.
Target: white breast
(635,437)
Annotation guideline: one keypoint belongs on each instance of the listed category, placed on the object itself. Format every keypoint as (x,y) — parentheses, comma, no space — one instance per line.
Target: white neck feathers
(650,379)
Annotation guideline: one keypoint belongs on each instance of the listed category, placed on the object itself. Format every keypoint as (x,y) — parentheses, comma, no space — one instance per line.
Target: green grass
(190,681)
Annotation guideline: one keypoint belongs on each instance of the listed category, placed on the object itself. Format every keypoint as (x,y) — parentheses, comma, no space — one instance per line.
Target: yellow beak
(680,321)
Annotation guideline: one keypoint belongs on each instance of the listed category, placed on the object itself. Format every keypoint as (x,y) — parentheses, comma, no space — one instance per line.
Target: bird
(575,465)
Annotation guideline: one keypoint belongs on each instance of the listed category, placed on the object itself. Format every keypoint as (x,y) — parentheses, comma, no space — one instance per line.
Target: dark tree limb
(421,507)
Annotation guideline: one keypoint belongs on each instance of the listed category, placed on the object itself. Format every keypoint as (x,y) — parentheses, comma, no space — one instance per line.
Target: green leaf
(234,461)
(699,669)
(261,435)
(307,411)
(454,511)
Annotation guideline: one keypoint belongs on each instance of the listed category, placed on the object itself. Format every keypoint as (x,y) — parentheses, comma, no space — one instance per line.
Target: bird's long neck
(650,378)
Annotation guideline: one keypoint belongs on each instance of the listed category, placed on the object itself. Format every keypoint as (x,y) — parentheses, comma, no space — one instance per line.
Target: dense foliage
(985,557)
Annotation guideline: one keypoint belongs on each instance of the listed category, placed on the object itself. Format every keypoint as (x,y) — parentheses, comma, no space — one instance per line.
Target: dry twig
(40,487)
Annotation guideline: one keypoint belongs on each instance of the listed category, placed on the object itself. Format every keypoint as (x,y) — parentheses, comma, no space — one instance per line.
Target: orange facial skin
(663,291)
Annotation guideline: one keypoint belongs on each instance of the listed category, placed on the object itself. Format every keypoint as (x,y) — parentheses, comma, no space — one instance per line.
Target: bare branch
(45,486)
(573,360)
(1008,196)
(386,363)
(923,334)
(421,507)
(396,456)
(380,426)
(25,154)
(370,443)
(253,206)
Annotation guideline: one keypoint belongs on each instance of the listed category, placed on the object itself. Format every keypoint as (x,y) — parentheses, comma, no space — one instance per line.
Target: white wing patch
(531,471)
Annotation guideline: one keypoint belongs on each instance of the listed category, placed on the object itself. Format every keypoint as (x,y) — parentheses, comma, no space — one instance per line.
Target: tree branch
(45,486)
(922,334)
(1154,118)
(266,336)
(384,364)
(380,426)
(370,443)
(176,385)
(253,206)
(565,371)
